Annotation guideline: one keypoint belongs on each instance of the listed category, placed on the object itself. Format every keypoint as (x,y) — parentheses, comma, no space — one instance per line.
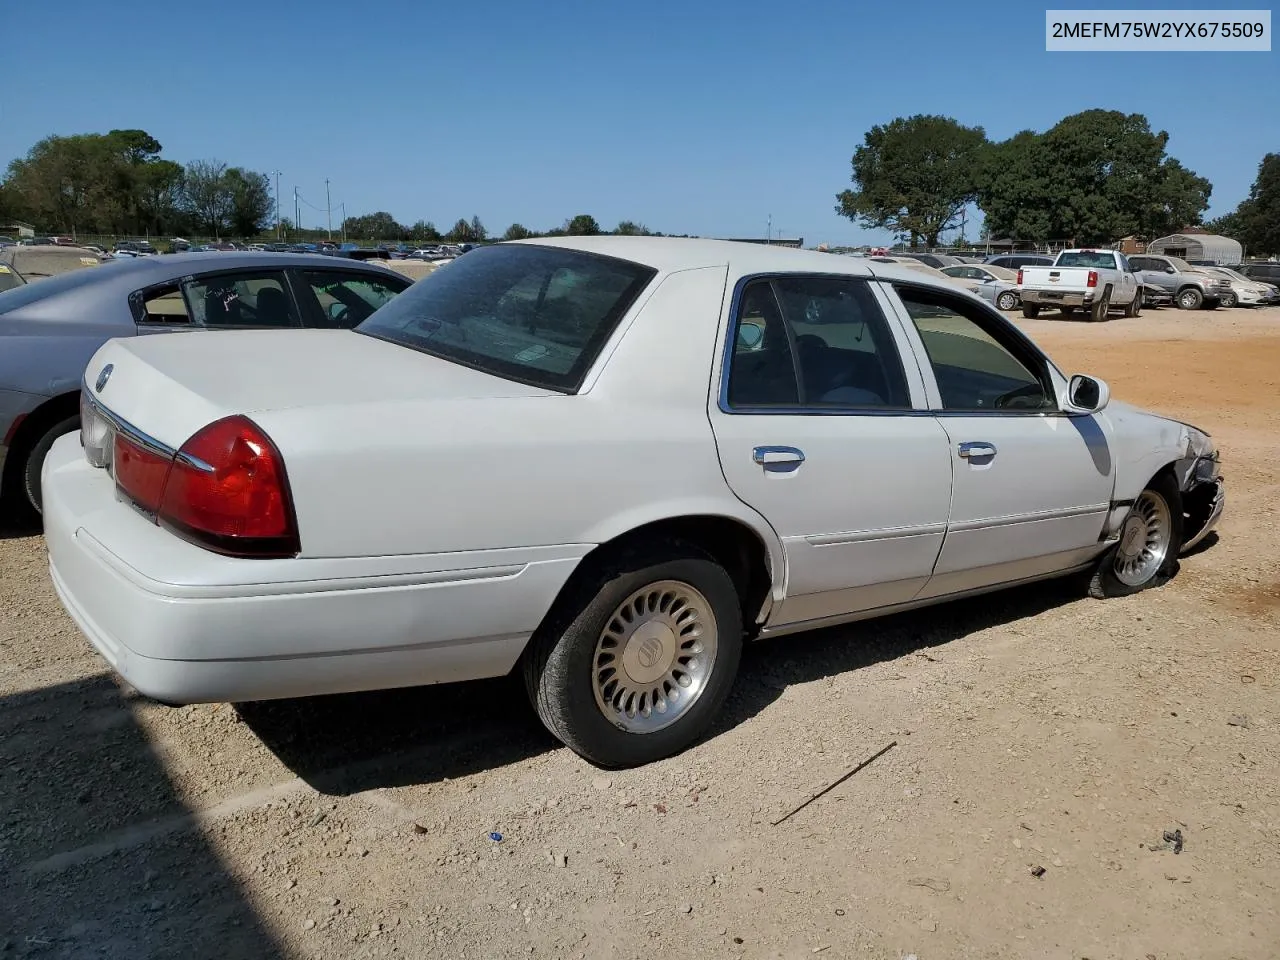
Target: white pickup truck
(1096,281)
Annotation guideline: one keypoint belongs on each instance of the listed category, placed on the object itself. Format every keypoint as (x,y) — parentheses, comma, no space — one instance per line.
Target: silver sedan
(996,285)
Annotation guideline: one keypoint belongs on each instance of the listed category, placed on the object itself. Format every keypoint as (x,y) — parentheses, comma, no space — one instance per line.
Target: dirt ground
(1034,728)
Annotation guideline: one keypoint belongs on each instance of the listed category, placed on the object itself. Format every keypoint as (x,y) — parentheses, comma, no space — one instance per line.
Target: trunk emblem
(104,376)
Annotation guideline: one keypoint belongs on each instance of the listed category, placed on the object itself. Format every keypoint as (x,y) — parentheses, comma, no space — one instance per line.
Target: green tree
(629,228)
(375,226)
(583,225)
(1259,215)
(424,231)
(467,231)
(517,231)
(251,204)
(478,232)
(1093,177)
(208,195)
(913,176)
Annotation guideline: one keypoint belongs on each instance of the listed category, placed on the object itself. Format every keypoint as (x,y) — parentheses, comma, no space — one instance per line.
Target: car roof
(107,285)
(669,254)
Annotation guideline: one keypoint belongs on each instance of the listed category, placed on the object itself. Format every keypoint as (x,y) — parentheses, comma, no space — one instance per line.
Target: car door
(1127,284)
(1031,486)
(1154,274)
(821,427)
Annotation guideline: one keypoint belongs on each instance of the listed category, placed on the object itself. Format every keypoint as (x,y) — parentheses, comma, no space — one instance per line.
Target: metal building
(1199,246)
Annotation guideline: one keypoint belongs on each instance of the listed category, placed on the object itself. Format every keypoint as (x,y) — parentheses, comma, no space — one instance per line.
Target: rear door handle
(977,449)
(778,459)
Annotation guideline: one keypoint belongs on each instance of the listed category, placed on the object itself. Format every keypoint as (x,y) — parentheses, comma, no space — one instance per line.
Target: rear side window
(533,314)
(813,342)
(249,299)
(8,279)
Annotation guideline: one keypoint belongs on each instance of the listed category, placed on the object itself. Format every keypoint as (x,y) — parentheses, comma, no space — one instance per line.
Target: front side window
(350,299)
(249,299)
(813,342)
(534,314)
(977,366)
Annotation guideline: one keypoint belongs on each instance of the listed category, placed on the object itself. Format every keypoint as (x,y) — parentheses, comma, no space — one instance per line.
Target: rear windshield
(1087,258)
(537,315)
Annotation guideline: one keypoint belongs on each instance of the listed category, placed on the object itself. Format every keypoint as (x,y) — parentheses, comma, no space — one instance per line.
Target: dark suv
(1264,271)
(1012,261)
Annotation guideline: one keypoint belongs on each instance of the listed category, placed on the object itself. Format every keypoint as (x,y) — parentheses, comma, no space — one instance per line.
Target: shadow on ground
(75,770)
(354,742)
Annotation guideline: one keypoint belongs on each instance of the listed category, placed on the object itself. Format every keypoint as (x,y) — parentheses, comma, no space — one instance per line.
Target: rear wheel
(1190,299)
(1134,307)
(1147,554)
(1031,310)
(1098,312)
(35,461)
(633,665)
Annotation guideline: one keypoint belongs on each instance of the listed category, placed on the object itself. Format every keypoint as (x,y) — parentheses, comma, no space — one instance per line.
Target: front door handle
(778,459)
(977,449)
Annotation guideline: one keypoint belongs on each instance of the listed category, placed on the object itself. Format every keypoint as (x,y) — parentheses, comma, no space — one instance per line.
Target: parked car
(1093,280)
(910,263)
(1244,291)
(1188,287)
(51,329)
(139,248)
(1268,271)
(996,285)
(10,278)
(483,477)
(935,260)
(40,261)
(1012,261)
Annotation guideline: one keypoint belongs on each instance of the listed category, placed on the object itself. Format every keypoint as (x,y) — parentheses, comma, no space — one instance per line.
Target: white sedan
(604,461)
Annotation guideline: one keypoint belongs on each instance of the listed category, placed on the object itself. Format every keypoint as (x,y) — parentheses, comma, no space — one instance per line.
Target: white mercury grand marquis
(604,461)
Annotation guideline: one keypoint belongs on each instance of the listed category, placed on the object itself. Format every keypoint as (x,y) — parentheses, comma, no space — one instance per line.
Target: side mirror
(1087,394)
(1170,270)
(750,335)
(337,310)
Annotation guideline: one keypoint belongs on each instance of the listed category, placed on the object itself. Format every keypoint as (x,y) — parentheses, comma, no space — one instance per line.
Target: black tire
(35,460)
(1189,298)
(1101,306)
(1007,301)
(1031,310)
(1229,300)
(1134,307)
(559,662)
(1105,583)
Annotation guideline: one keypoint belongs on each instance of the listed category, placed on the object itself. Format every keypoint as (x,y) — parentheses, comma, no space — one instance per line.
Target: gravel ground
(1034,729)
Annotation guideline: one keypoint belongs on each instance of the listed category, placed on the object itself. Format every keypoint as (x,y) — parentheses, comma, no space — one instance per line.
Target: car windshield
(9,279)
(534,314)
(1097,259)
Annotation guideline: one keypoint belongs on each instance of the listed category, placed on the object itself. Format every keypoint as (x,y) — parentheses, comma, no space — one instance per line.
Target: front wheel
(1229,300)
(1147,554)
(1007,300)
(633,665)
(1190,299)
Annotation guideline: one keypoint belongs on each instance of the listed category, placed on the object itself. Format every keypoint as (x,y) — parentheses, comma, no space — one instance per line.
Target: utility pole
(277,174)
(297,214)
(343,207)
(328,207)
(768,231)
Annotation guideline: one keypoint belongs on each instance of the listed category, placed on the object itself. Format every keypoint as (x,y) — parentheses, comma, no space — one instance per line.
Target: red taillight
(140,472)
(1019,276)
(227,490)
(1093,278)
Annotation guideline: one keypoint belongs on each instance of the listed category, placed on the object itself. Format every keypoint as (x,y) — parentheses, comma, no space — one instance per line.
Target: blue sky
(692,117)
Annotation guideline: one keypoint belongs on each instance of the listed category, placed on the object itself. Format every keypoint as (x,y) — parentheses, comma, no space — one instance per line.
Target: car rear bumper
(1055,298)
(216,629)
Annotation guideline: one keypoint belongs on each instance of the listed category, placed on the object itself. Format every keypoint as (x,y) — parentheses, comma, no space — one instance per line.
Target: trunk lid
(169,386)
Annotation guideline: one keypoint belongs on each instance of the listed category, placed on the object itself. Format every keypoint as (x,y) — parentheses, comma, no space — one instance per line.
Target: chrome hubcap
(654,656)
(1188,299)
(1144,540)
